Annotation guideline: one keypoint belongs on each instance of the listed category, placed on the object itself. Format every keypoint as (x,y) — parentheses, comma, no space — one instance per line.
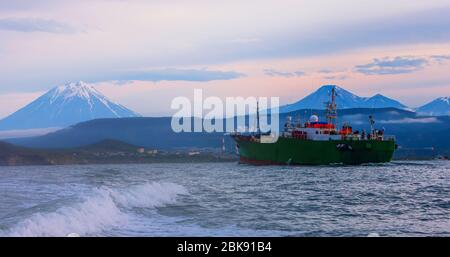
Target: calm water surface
(226,199)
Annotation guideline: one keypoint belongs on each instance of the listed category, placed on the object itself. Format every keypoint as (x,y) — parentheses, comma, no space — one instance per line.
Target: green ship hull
(290,151)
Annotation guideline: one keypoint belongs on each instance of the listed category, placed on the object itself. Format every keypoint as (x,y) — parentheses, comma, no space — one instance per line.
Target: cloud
(396,65)
(35,25)
(7,5)
(170,74)
(245,40)
(419,27)
(201,34)
(336,77)
(440,58)
(329,74)
(26,132)
(275,73)
(325,71)
(411,120)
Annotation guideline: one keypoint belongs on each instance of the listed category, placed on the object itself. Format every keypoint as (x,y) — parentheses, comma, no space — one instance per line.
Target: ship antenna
(372,122)
(331,107)
(257,118)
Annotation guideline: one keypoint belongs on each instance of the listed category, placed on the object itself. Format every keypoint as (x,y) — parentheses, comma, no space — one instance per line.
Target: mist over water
(226,199)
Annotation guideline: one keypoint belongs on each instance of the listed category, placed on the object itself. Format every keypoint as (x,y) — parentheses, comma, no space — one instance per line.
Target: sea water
(226,199)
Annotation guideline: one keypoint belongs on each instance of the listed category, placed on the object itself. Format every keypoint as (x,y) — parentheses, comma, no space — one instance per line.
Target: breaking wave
(104,209)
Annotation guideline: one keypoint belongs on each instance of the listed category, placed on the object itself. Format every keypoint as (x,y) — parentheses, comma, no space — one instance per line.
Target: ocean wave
(104,209)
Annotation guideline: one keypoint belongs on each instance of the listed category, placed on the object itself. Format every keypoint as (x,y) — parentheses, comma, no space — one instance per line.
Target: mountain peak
(445,99)
(329,88)
(339,90)
(344,100)
(74,89)
(74,86)
(79,83)
(65,105)
(437,107)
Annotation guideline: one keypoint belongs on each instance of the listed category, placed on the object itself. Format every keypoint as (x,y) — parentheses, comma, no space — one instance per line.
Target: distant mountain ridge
(437,107)
(73,103)
(412,132)
(63,106)
(344,100)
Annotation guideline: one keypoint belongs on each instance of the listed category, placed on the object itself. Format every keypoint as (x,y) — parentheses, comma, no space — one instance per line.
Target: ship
(316,142)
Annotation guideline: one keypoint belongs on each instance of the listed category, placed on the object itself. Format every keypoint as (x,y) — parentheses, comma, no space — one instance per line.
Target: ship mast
(257,118)
(331,107)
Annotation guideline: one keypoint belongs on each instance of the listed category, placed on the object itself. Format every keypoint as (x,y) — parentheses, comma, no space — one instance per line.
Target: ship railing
(389,138)
(352,137)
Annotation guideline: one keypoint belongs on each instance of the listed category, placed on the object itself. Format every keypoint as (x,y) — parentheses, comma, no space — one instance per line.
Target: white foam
(149,195)
(104,209)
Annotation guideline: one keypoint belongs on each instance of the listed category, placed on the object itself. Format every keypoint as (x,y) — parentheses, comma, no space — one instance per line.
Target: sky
(142,54)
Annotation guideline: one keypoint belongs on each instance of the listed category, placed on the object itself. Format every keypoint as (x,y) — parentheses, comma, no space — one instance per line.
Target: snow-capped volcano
(63,106)
(438,107)
(344,100)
